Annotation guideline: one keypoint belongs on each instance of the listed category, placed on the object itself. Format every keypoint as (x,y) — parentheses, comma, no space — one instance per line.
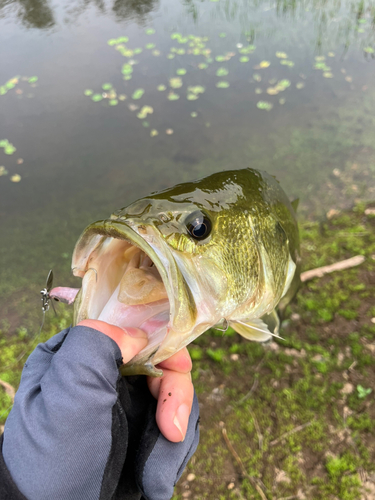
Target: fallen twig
(293,431)
(9,389)
(252,480)
(337,266)
(257,428)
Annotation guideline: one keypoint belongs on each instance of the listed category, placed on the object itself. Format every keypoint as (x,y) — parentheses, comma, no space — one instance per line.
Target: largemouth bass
(223,250)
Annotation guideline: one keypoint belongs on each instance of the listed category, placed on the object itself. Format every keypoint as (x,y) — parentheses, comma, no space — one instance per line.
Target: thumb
(130,340)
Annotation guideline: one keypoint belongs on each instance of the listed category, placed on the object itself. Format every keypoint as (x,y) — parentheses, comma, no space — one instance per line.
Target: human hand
(174,390)
(78,429)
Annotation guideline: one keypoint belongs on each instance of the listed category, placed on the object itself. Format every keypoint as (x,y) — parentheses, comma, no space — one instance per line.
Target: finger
(179,362)
(130,340)
(175,393)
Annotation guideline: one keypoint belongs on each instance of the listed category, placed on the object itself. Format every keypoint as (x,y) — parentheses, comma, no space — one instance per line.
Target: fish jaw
(97,258)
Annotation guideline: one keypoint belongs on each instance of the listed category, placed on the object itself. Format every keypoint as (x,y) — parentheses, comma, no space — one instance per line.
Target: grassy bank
(294,419)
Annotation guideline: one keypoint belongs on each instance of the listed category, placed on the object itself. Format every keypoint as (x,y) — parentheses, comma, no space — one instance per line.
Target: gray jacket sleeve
(80,431)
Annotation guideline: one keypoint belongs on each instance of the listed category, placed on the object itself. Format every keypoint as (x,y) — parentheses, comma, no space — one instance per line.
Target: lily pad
(197,89)
(113,102)
(3,90)
(273,90)
(9,85)
(122,39)
(247,50)
(369,50)
(107,86)
(300,85)
(220,58)
(222,85)
(4,143)
(15,178)
(170,56)
(161,87)
(244,59)
(222,72)
(202,65)
(3,171)
(192,97)
(193,114)
(88,92)
(331,54)
(222,35)
(264,105)
(257,77)
(320,58)
(122,97)
(175,83)
(328,74)
(150,31)
(181,71)
(264,64)
(150,46)
(156,52)
(33,79)
(137,94)
(281,55)
(127,77)
(97,97)
(286,62)
(173,97)
(154,132)
(112,41)
(127,69)
(138,50)
(283,84)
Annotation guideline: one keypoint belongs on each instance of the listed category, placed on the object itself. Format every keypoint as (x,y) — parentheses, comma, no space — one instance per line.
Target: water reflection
(32,13)
(40,15)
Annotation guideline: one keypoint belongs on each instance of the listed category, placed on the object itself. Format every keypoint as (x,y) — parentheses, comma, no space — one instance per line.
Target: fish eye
(198,225)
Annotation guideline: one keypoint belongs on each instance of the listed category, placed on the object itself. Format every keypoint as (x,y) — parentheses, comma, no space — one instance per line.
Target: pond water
(103,102)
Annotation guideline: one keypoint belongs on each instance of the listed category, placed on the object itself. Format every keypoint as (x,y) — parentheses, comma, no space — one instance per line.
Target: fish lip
(172,278)
(120,230)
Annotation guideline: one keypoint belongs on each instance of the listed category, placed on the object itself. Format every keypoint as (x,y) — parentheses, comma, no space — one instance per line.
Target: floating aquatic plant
(161,87)
(172,96)
(244,59)
(146,110)
(193,114)
(222,72)
(107,86)
(264,64)
(264,105)
(150,46)
(113,102)
(247,50)
(137,94)
(15,178)
(220,58)
(154,133)
(258,90)
(300,85)
(3,171)
(369,50)
(175,83)
(281,55)
(97,97)
(149,31)
(257,77)
(202,65)
(222,85)
(88,92)
(127,69)
(181,71)
(222,35)
(8,147)
(286,62)
(197,89)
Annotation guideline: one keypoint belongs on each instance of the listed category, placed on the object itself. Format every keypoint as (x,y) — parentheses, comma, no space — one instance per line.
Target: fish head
(180,261)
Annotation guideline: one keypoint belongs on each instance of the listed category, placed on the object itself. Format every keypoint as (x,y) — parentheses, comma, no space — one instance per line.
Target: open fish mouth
(127,281)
